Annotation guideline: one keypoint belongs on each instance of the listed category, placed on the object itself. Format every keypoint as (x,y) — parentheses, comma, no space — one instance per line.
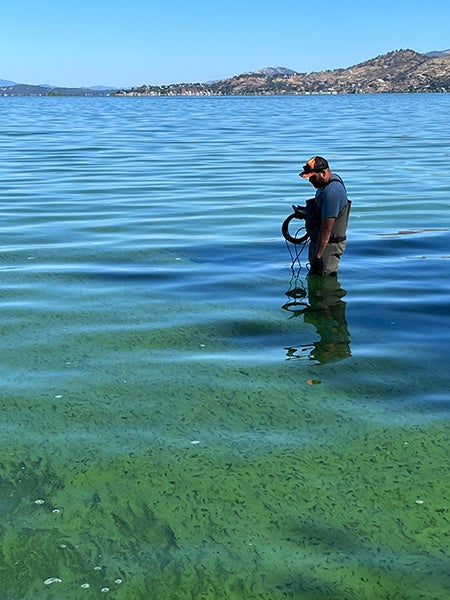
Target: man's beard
(318,184)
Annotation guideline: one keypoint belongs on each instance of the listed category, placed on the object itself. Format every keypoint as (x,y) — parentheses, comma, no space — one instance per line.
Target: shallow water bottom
(250,489)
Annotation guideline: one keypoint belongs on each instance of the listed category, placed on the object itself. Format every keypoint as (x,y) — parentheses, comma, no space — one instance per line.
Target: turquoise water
(183,415)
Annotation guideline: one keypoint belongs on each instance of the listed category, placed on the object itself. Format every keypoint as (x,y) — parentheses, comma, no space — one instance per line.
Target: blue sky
(131,42)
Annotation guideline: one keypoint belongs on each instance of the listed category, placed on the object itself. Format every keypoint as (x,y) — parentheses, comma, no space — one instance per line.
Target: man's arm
(324,235)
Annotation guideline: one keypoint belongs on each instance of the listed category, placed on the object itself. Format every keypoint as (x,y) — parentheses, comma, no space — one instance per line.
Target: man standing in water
(326,217)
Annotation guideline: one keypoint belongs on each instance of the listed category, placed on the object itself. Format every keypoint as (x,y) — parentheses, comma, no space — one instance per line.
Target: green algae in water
(213,480)
(228,515)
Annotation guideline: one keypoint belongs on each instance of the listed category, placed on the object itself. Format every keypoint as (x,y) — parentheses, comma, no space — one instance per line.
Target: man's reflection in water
(325,310)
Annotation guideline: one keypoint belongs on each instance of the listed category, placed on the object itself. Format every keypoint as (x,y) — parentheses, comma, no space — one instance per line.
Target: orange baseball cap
(316,164)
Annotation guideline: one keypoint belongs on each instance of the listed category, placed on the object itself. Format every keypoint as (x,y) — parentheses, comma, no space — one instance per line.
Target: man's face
(318,180)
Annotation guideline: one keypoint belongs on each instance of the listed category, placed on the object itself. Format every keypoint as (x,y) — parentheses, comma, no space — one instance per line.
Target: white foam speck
(51,580)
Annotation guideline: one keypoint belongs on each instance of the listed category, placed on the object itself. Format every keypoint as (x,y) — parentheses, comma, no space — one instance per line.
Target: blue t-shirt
(332,198)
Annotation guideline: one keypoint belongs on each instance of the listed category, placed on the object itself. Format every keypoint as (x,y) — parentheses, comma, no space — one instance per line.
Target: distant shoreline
(399,71)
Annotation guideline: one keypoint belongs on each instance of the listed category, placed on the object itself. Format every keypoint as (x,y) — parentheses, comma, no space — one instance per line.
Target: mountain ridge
(437,53)
(25,89)
(397,71)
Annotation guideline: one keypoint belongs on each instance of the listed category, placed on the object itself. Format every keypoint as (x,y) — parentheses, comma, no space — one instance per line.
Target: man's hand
(300,211)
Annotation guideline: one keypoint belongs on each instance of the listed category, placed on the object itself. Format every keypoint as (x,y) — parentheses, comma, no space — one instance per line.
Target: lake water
(184,416)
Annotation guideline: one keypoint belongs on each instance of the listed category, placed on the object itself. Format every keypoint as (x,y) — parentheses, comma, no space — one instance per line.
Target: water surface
(183,415)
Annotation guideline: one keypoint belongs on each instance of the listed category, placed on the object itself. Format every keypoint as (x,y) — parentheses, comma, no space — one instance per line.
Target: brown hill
(395,72)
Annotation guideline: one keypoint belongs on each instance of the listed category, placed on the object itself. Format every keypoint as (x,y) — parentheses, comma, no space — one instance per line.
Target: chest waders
(313,221)
(338,239)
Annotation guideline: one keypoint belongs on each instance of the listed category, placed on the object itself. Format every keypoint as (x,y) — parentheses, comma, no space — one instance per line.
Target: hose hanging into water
(294,232)
(300,236)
